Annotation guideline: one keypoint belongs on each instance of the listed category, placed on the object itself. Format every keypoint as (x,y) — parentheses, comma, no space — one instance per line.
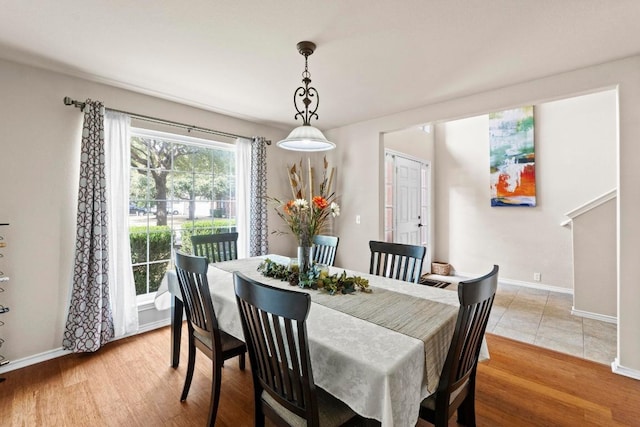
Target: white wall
(39,156)
(359,155)
(413,141)
(594,239)
(575,149)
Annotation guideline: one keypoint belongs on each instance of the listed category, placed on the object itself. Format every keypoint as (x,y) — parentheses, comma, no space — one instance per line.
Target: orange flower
(288,206)
(320,202)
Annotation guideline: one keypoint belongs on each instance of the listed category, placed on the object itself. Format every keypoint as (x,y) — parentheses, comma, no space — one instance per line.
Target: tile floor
(544,318)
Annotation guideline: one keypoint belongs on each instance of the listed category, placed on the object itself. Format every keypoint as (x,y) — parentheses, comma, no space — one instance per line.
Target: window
(389,168)
(179,186)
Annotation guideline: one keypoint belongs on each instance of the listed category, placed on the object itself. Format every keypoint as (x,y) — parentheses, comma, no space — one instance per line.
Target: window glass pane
(388,195)
(156,273)
(182,157)
(140,278)
(202,160)
(388,219)
(388,169)
(182,185)
(138,238)
(159,243)
(203,187)
(139,152)
(140,184)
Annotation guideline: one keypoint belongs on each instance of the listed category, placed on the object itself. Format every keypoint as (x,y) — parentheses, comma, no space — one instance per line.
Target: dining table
(380,352)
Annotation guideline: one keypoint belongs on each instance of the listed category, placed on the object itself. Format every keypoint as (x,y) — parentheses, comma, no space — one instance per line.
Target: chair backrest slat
(254,322)
(274,324)
(216,247)
(396,260)
(324,249)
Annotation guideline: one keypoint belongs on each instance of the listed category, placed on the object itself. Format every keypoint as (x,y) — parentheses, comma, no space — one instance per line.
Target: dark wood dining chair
(396,260)
(204,333)
(275,329)
(324,249)
(457,385)
(216,247)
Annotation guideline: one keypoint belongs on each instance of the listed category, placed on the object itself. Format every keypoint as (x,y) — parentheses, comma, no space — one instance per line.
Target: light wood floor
(130,383)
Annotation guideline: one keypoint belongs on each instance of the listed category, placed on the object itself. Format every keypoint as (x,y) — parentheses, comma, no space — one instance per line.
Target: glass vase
(305,258)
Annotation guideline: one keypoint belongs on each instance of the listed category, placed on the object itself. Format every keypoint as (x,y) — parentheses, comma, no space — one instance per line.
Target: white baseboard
(616,368)
(32,360)
(595,316)
(533,285)
(153,325)
(59,352)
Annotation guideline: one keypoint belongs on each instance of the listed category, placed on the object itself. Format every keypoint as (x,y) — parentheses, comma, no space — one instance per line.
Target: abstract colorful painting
(513,172)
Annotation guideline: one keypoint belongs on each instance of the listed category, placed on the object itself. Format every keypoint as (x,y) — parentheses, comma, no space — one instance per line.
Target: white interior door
(407,201)
(409,227)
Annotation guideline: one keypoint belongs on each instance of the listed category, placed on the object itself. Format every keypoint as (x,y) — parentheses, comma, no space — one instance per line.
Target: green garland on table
(315,278)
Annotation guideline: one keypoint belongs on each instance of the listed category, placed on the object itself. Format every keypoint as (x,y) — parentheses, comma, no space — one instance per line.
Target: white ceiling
(374,57)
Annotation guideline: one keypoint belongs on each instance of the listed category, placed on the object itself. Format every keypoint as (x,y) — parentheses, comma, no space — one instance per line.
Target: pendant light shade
(306,137)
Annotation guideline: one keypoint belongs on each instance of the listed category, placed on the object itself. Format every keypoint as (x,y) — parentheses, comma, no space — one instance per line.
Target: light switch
(357,219)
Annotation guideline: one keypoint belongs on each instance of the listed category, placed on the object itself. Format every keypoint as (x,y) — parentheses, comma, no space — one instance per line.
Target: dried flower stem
(310,181)
(306,215)
(330,181)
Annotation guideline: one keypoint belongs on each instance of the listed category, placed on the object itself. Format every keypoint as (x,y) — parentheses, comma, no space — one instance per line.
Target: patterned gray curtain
(258,231)
(90,322)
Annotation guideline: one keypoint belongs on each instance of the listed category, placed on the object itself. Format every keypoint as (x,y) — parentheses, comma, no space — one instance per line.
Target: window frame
(135,131)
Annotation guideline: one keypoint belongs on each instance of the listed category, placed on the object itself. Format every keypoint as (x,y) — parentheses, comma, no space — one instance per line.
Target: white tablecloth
(379,373)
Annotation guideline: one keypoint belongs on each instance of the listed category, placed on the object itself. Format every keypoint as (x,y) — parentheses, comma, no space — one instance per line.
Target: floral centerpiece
(308,212)
(307,220)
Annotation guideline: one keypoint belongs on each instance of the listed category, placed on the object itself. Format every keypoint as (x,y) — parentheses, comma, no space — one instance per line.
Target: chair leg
(441,414)
(258,412)
(441,419)
(177,309)
(242,362)
(190,367)
(467,411)
(215,393)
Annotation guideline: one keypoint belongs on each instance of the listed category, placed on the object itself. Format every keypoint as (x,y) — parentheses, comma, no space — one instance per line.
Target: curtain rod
(78,104)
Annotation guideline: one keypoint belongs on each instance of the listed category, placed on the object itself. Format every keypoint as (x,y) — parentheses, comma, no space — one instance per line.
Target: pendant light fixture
(306,137)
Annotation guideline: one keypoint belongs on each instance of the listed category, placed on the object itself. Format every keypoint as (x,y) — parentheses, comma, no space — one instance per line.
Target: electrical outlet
(537,277)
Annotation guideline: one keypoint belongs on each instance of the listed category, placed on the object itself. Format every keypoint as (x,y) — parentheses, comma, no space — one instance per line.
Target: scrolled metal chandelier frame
(306,92)
(306,137)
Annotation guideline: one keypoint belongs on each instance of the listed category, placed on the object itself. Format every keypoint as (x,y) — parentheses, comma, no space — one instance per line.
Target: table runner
(423,319)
